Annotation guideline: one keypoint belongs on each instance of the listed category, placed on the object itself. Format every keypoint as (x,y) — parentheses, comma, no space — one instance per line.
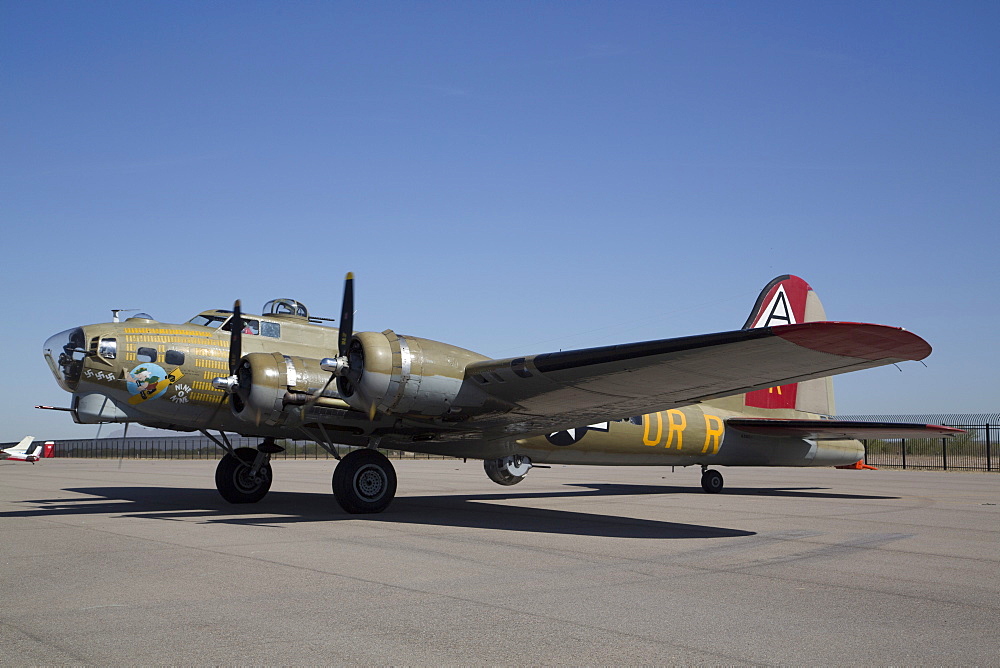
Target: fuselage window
(271,329)
(147,355)
(174,357)
(108,349)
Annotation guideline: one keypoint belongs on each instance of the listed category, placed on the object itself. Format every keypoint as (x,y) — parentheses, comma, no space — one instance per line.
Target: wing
(819,430)
(542,393)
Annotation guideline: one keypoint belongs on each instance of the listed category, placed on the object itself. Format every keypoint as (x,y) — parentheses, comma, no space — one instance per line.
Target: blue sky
(511,177)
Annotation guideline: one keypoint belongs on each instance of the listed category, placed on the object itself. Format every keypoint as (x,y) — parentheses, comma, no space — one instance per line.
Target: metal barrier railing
(197,448)
(973,451)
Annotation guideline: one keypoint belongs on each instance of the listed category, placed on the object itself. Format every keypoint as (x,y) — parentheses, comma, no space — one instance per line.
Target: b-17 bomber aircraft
(756,396)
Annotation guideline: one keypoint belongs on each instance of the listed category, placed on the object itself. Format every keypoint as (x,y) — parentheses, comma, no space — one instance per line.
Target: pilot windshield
(206,320)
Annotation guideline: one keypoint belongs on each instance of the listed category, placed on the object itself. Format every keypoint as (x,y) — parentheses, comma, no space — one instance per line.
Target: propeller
(235,338)
(340,366)
(346,316)
(230,383)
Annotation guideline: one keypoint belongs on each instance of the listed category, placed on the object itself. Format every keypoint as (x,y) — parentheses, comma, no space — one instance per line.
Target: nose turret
(64,353)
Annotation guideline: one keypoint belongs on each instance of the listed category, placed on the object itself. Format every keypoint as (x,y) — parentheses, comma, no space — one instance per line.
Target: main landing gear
(364,482)
(711,481)
(244,474)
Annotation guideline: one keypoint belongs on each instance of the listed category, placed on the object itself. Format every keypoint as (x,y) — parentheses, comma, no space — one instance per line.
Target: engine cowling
(267,383)
(403,375)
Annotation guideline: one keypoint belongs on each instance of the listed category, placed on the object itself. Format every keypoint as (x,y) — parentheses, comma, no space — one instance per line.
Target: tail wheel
(364,482)
(711,482)
(233,479)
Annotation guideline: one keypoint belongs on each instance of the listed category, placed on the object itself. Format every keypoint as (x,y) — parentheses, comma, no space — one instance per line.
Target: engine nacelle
(267,383)
(404,375)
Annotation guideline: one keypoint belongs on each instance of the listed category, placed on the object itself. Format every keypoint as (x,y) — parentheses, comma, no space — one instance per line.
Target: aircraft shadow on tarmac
(482,511)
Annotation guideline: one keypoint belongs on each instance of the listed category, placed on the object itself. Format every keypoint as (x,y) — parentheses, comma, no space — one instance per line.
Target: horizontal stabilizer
(839,429)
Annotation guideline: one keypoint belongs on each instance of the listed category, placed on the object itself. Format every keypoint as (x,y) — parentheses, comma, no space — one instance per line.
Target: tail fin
(788,300)
(22,447)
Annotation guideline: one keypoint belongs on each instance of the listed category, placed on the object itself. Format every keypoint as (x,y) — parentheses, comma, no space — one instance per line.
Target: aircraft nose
(64,353)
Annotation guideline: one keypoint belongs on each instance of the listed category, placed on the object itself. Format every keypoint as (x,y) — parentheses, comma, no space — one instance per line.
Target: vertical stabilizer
(21,448)
(788,300)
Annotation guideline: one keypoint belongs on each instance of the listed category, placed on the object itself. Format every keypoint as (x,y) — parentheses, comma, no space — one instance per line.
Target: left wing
(820,430)
(545,393)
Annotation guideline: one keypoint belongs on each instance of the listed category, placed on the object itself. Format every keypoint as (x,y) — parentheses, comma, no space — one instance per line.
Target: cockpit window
(250,326)
(205,320)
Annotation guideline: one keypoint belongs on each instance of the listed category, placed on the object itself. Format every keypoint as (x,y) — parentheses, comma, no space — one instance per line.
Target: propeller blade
(235,338)
(346,316)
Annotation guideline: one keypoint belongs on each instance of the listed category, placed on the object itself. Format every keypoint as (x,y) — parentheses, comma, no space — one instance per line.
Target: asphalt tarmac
(141,562)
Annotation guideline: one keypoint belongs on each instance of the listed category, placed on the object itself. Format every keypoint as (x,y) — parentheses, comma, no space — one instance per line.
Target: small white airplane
(25,451)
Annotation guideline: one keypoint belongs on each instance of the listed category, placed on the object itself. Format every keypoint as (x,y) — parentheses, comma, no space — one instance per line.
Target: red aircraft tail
(788,300)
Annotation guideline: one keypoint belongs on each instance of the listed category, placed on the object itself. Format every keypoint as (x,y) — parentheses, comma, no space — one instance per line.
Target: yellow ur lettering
(676,424)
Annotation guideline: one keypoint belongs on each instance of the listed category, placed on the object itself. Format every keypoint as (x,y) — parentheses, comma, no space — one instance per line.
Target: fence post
(903,442)
(944,453)
(989,463)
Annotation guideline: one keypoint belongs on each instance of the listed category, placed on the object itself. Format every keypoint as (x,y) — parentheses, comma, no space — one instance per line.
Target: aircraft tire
(364,482)
(233,480)
(711,482)
(498,474)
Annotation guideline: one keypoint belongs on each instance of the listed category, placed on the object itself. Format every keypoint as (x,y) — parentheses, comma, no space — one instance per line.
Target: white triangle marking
(777,312)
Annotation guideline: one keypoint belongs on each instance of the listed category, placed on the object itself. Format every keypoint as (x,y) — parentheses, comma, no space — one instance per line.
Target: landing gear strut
(364,482)
(244,475)
(711,481)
